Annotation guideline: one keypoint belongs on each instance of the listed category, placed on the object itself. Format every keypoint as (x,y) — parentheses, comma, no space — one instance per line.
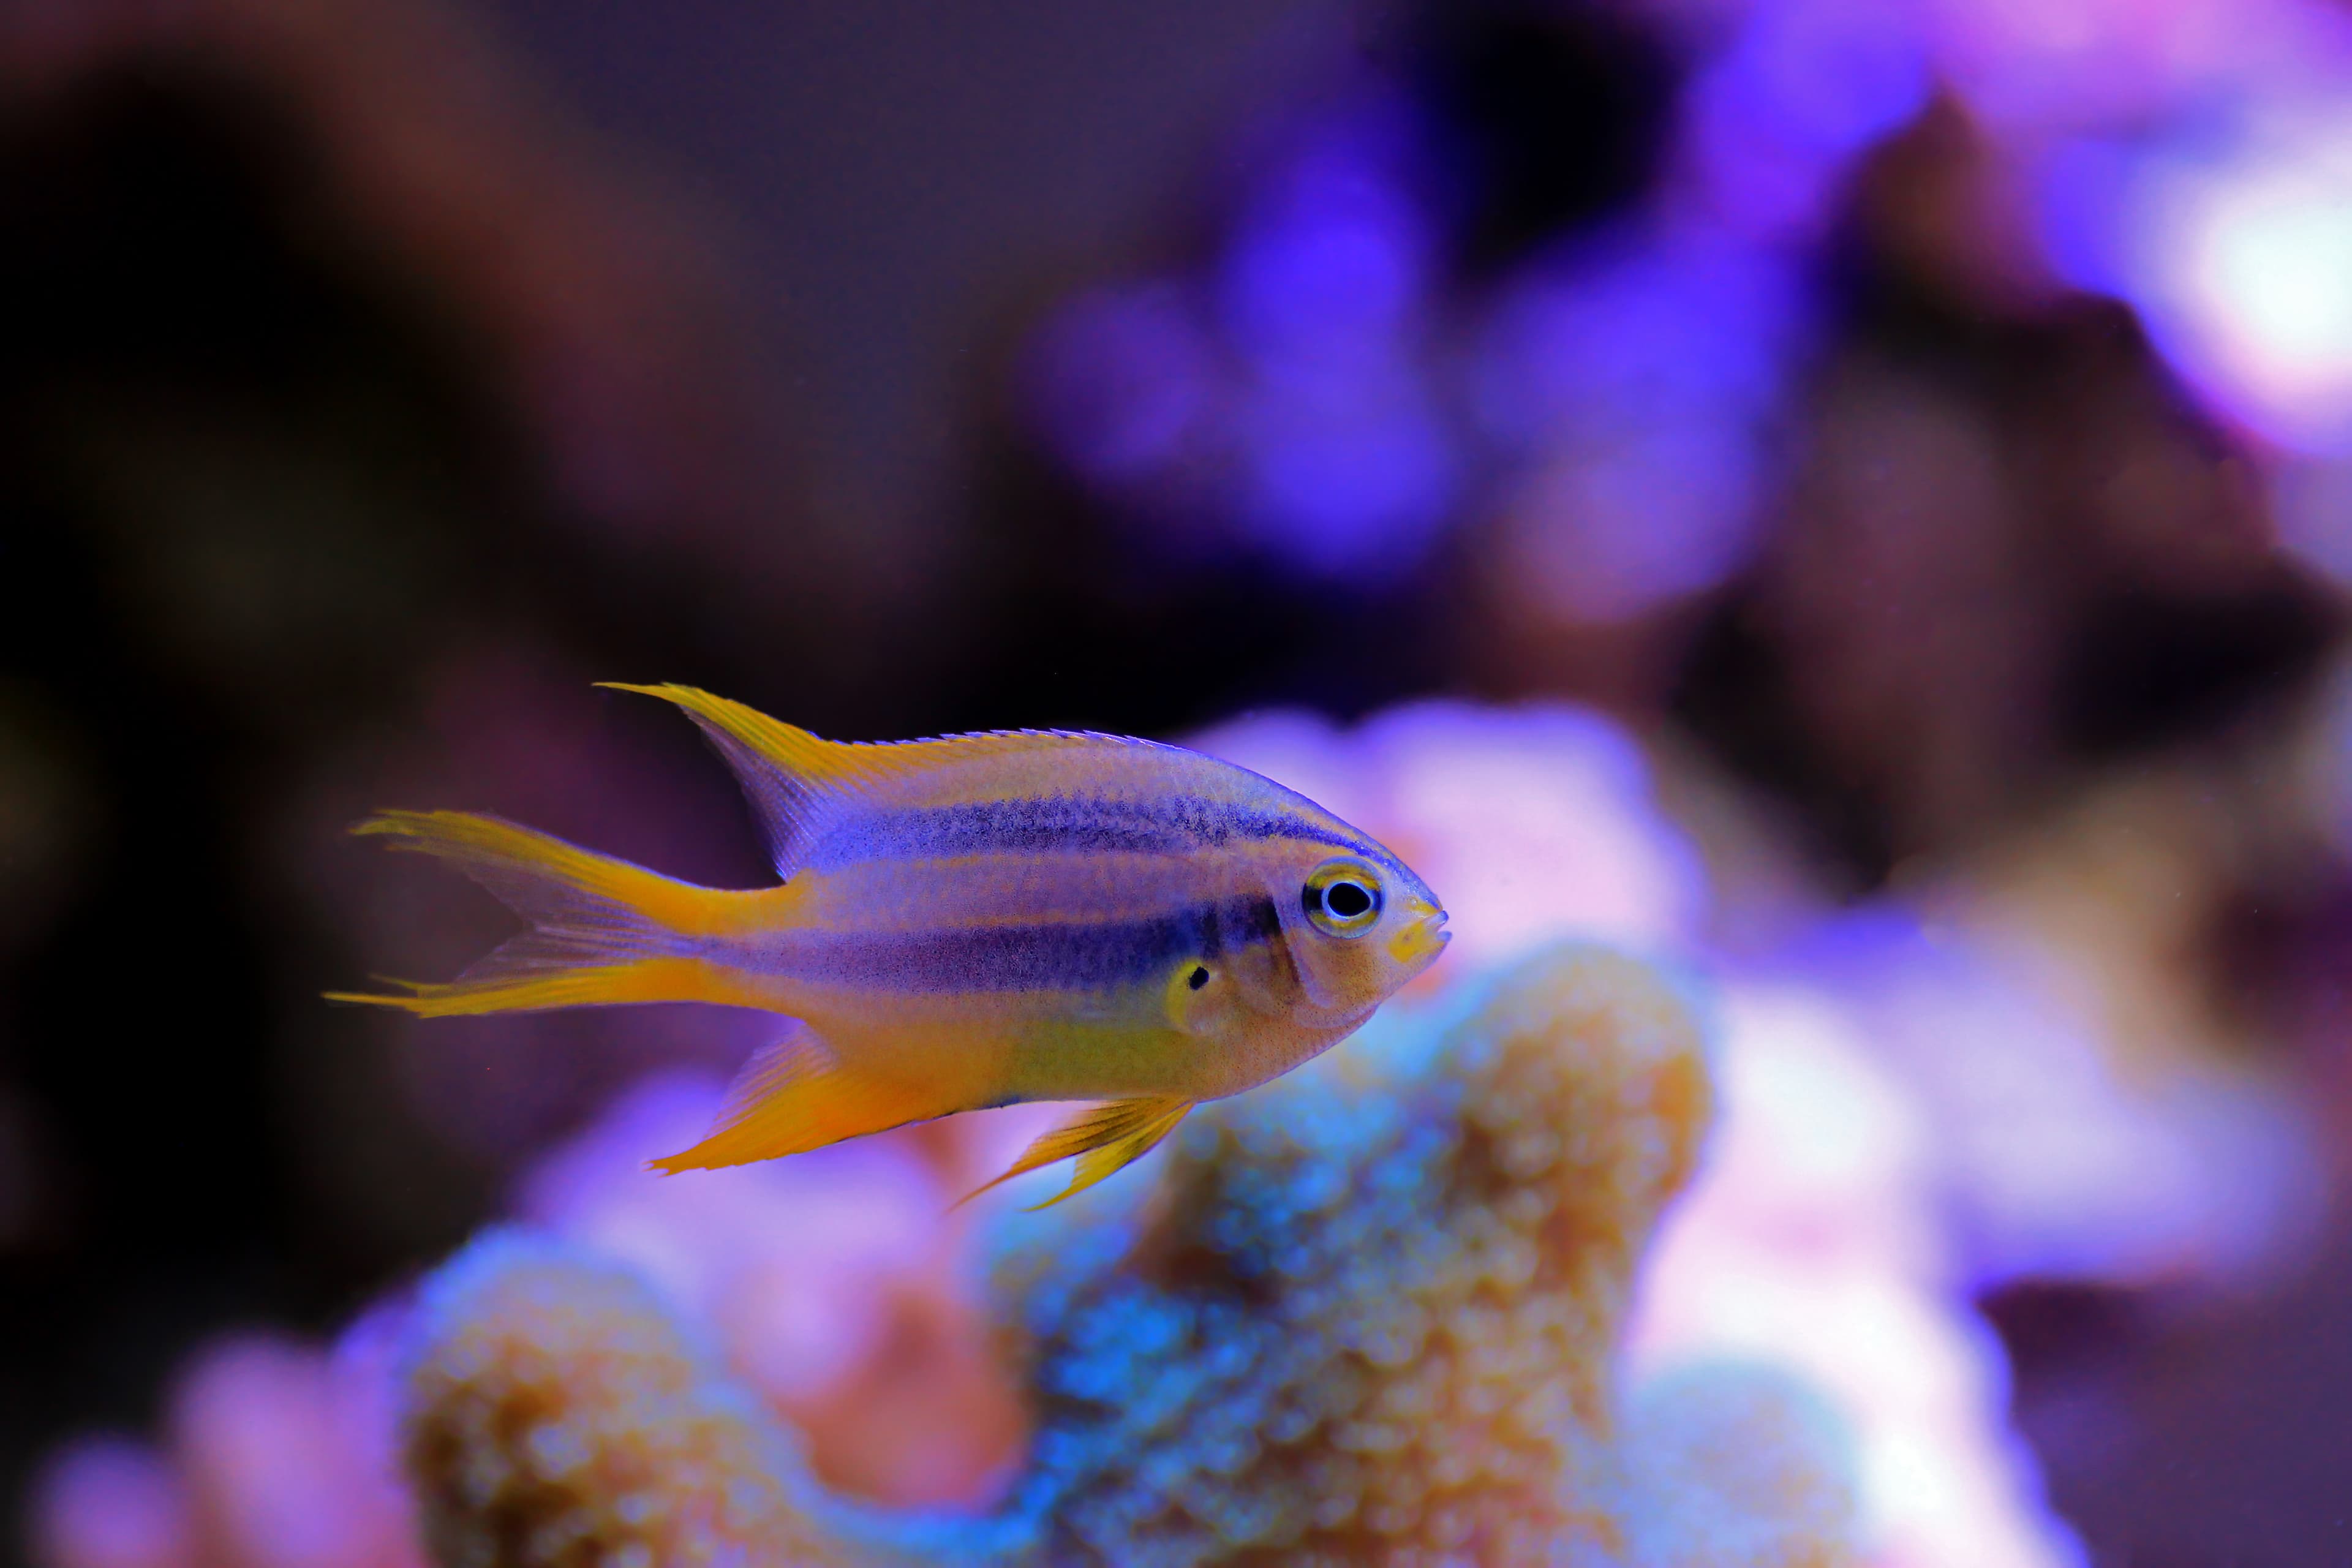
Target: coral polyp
(1368,1315)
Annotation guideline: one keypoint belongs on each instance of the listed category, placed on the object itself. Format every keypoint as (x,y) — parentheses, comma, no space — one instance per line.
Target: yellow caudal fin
(1106,1139)
(602,930)
(796,1095)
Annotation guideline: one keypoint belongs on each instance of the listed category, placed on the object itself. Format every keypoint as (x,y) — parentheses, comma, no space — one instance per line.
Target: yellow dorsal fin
(1105,1138)
(796,782)
(799,783)
(819,760)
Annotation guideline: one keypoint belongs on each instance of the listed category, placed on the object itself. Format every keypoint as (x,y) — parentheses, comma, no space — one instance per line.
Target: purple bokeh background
(1851,498)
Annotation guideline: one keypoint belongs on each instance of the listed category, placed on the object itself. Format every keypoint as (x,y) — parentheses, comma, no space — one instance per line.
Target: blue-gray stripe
(1178,825)
(1098,957)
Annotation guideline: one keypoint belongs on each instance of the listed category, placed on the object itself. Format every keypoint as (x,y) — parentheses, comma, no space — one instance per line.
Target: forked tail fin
(602,930)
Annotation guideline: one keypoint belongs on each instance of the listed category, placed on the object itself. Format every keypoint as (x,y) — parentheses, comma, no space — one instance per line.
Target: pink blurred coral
(109,1502)
(279,1457)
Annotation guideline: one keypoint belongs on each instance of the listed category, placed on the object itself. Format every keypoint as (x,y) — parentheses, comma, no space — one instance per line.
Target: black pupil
(1347,900)
(1200,977)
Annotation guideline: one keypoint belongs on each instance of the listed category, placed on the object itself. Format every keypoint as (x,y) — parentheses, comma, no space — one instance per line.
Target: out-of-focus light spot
(1772,123)
(2057,1161)
(1331,249)
(112,1503)
(1344,468)
(2027,67)
(1632,329)
(1603,534)
(1812,1241)
(2082,190)
(2241,258)
(260,1425)
(1351,479)
(1829,74)
(1121,381)
(1281,404)
(1627,390)
(1740,175)
(2264,274)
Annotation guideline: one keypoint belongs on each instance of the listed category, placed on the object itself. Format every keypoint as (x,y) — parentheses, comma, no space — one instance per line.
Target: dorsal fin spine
(796,779)
(786,770)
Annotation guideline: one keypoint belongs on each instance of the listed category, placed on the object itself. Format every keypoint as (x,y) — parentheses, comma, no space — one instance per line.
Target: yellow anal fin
(1106,1139)
(794,1095)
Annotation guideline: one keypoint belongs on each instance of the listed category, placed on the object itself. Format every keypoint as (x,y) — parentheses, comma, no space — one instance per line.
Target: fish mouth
(1419,943)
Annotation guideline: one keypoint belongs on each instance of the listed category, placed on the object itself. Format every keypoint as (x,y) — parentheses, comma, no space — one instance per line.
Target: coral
(835,1286)
(1368,1314)
(563,1421)
(1811,1241)
(273,1457)
(1736,1465)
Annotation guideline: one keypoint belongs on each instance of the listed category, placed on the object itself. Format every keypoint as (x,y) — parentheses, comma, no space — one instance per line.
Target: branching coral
(1368,1315)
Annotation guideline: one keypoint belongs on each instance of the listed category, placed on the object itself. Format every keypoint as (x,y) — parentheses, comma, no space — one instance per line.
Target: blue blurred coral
(1367,1315)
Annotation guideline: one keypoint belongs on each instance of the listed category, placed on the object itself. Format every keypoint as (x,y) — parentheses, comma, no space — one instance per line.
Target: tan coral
(1368,1315)
(568,1424)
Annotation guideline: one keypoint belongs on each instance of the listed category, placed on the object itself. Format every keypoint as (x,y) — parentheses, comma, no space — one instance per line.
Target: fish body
(969,921)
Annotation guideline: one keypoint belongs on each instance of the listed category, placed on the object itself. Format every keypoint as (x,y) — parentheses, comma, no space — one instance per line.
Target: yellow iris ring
(1342,897)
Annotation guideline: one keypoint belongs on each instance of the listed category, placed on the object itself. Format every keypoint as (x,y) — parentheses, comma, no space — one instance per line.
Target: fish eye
(1342,897)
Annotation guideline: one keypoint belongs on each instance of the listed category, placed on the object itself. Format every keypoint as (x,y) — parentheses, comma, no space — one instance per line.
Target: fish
(962,923)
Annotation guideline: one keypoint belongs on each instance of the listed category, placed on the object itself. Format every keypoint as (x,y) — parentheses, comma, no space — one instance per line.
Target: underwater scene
(1442,784)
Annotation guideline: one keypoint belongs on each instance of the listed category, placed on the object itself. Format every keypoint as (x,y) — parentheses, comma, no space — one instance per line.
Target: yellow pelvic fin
(796,1095)
(1106,1139)
(602,930)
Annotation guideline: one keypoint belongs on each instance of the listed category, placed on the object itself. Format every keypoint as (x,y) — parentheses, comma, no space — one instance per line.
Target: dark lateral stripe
(1104,956)
(1177,825)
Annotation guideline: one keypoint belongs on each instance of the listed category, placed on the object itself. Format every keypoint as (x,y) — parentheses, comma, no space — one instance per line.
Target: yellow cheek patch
(1422,937)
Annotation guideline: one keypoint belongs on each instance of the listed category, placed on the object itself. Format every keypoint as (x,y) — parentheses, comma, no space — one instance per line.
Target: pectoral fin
(1104,1138)
(794,1095)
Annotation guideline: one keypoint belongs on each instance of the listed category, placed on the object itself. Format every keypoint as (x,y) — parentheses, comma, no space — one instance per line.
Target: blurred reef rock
(1370,1314)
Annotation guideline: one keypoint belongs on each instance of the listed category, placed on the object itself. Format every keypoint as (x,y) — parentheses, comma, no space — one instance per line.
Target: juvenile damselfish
(969,921)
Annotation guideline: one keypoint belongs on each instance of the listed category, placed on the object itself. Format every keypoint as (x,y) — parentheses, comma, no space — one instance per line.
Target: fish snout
(1422,939)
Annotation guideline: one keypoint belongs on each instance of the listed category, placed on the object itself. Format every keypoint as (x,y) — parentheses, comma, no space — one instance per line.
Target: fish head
(1363,925)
